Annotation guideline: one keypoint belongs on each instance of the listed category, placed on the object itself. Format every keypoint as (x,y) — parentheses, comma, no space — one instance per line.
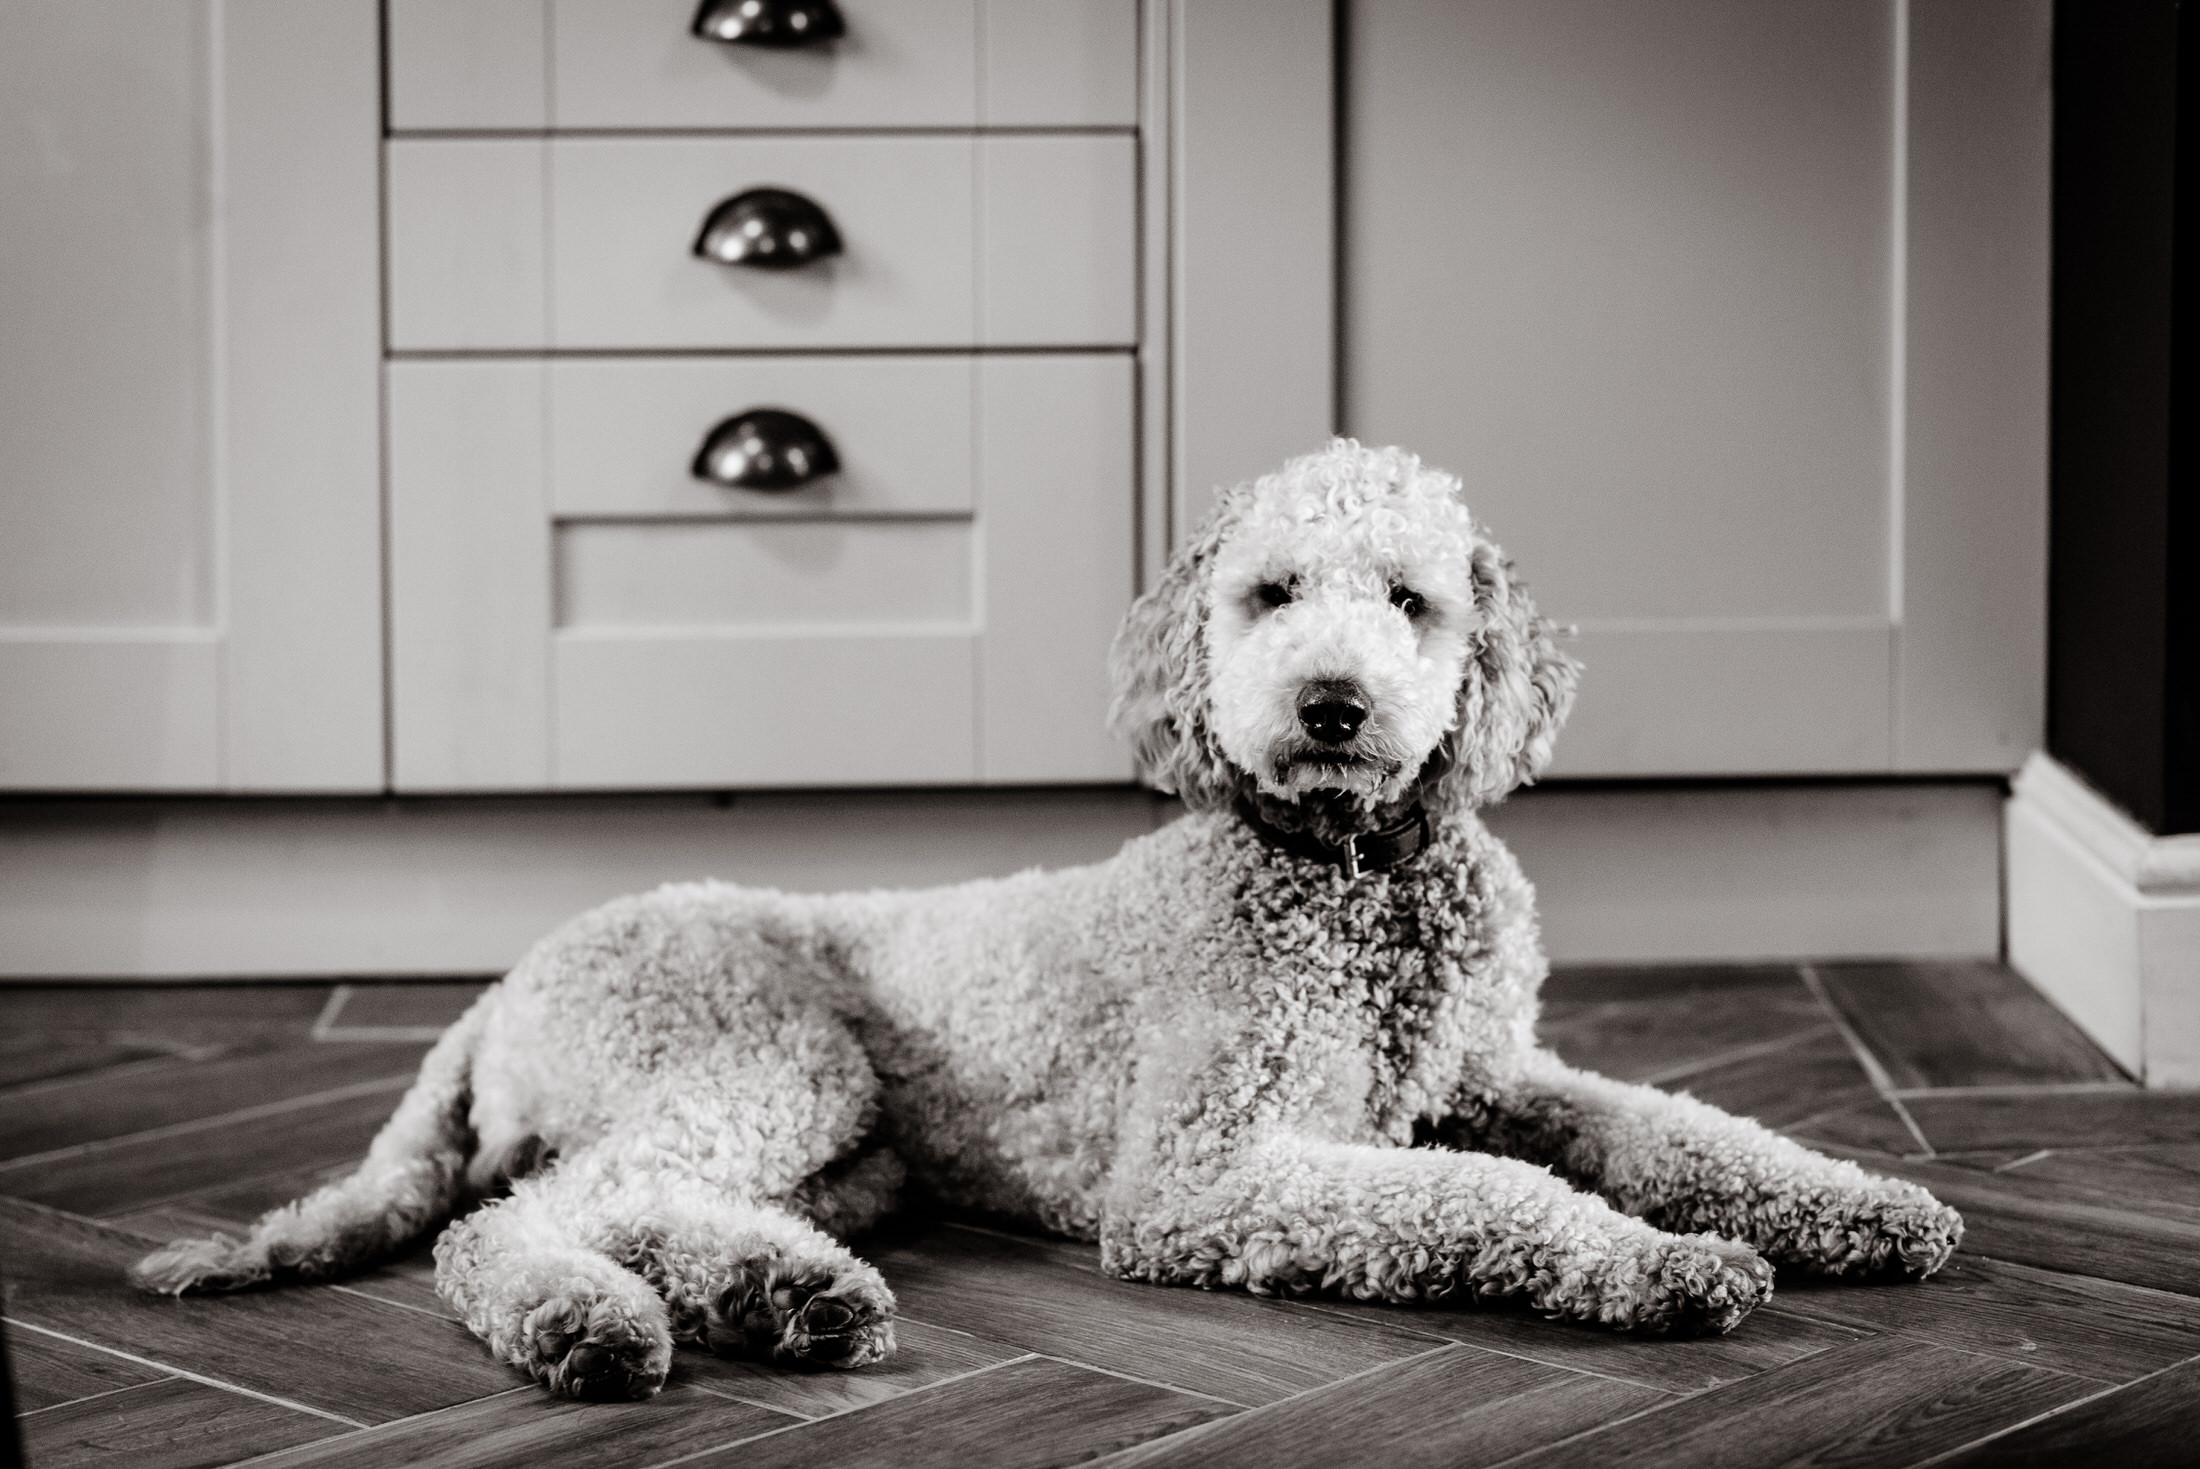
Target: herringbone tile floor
(2066,1332)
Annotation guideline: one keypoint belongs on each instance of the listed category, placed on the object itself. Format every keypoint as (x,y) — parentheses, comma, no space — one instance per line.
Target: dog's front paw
(1885,1227)
(835,1313)
(583,1347)
(1699,1284)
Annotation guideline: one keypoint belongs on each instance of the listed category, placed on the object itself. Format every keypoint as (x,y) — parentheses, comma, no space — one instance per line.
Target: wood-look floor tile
(1691,1364)
(91,1108)
(530,1427)
(1598,983)
(42,1057)
(2094,1328)
(409,1281)
(1817,1075)
(1872,1124)
(923,1354)
(1671,1036)
(1961,1023)
(2053,1225)
(1884,1401)
(408,1005)
(326,1349)
(1029,1414)
(171,1424)
(1455,1408)
(135,1175)
(48,1372)
(2163,1179)
(2095,1119)
(2151,1424)
(180,1012)
(1049,1297)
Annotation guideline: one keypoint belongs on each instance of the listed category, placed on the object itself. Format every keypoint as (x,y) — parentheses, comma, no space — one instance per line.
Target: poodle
(1285,1044)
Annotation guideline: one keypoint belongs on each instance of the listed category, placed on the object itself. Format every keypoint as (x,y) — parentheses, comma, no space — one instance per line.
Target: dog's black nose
(1332,710)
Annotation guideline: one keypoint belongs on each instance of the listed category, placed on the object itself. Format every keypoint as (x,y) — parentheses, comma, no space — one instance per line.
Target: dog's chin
(1300,772)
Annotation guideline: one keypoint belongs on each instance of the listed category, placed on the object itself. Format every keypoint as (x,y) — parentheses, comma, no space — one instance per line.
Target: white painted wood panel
(469,577)
(1253,294)
(718,710)
(1057,469)
(1057,62)
(633,64)
(1624,266)
(468,224)
(300,349)
(1971,680)
(1057,241)
(1731,699)
(624,433)
(469,64)
(111,711)
(679,577)
(627,212)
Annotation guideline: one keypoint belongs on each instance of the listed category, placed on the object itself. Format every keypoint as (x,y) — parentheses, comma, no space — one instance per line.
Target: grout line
(2058,1409)
(175,1371)
(207,1124)
(121,1070)
(91,1397)
(1645,1411)
(1517,1356)
(2025,1089)
(2032,1157)
(1189,1392)
(1881,1082)
(326,1020)
(351,1290)
(382,1427)
(844,1412)
(1727,1058)
(356,1033)
(734,1397)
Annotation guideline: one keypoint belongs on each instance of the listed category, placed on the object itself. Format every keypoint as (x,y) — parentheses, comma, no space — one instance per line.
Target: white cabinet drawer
(624,432)
(578,64)
(563,620)
(588,243)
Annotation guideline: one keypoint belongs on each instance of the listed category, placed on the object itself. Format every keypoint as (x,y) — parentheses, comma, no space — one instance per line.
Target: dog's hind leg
(530,1276)
(412,1177)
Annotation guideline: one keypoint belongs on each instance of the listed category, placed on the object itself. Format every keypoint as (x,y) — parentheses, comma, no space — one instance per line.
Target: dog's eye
(1408,601)
(1273,593)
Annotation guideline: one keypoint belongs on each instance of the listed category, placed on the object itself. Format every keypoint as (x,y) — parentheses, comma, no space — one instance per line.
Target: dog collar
(1365,851)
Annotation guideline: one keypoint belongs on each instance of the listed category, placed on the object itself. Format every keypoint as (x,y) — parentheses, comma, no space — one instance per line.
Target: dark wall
(2124,573)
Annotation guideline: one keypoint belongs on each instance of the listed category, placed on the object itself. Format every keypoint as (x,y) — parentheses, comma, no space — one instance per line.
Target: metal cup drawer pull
(767,229)
(779,24)
(765,449)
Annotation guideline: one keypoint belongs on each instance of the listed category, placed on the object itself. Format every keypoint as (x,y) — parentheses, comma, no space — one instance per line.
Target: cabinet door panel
(469,64)
(1059,504)
(469,577)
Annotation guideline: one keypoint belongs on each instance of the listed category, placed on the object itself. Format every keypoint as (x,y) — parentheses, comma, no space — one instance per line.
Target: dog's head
(1340,630)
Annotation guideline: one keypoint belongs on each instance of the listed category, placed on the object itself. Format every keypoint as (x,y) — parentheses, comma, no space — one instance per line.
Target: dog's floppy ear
(1159,665)
(1518,688)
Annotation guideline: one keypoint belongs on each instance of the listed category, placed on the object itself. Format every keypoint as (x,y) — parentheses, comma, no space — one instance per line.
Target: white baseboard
(2104,918)
(264,888)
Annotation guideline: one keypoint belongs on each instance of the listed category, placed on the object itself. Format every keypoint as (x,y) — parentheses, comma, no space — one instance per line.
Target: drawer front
(947,242)
(576,64)
(623,434)
(562,620)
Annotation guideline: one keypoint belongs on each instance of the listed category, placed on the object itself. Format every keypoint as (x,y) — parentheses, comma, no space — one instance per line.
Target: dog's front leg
(1685,1165)
(1296,1215)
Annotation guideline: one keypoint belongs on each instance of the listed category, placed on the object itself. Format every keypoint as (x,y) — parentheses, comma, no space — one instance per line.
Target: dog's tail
(411,1179)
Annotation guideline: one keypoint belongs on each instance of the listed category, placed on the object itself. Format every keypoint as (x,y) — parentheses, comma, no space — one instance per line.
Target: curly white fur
(1228,1064)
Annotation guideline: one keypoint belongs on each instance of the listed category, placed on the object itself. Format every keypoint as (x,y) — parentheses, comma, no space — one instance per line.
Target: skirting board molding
(267,888)
(2104,918)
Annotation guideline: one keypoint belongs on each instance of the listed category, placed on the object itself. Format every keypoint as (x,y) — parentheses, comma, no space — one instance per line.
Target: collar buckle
(1352,856)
